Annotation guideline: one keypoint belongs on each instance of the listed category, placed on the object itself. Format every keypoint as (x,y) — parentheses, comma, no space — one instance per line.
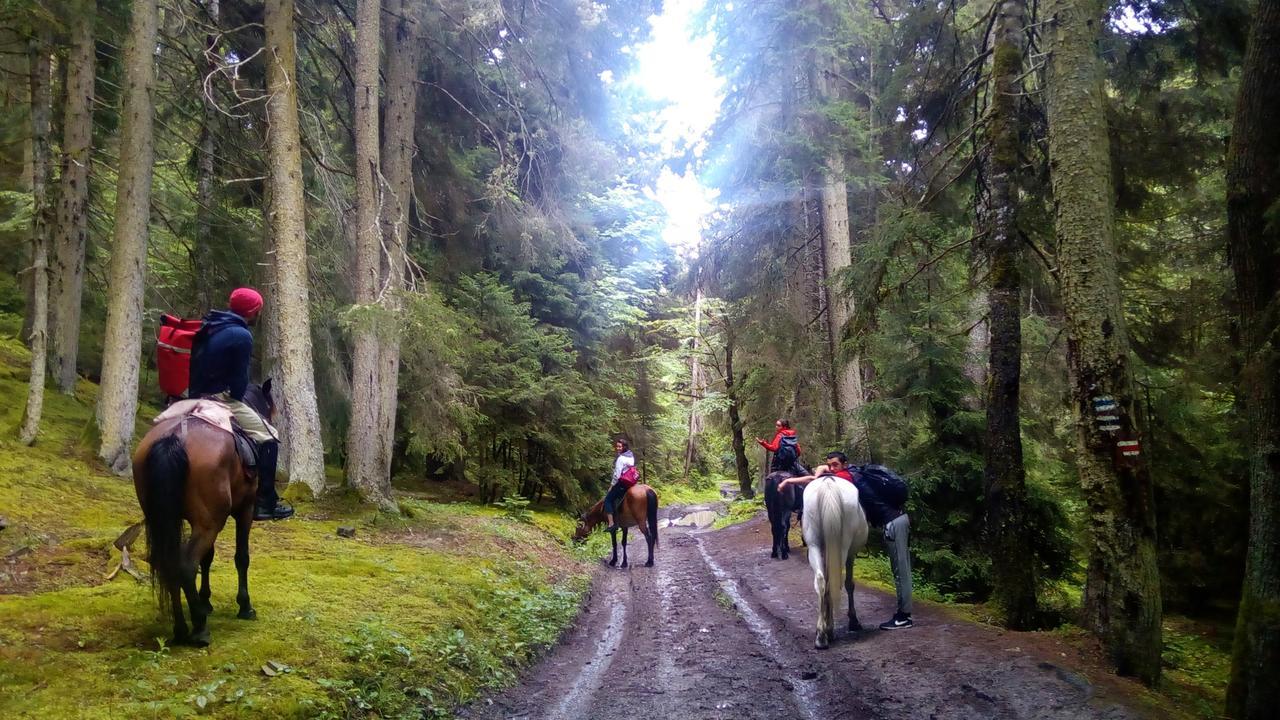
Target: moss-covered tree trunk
(122,345)
(1253,243)
(368,468)
(1122,588)
(71,235)
(1013,569)
(39,48)
(284,162)
(202,263)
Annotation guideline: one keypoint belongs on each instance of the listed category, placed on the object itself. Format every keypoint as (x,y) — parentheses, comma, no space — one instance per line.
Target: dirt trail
(718,630)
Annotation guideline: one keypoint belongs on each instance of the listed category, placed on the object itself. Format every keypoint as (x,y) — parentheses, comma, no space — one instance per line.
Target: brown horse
(186,469)
(638,507)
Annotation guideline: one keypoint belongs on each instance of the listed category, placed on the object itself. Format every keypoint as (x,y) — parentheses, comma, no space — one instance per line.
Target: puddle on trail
(698,519)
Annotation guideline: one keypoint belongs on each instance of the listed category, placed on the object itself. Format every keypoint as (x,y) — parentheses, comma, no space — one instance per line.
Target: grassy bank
(412,616)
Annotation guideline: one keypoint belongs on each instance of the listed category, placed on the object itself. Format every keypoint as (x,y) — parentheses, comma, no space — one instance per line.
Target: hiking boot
(900,621)
(266,512)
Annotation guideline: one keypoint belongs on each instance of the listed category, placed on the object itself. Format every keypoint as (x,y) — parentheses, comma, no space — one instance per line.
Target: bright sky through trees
(675,67)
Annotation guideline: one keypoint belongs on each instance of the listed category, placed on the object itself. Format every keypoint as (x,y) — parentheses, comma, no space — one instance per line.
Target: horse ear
(266,387)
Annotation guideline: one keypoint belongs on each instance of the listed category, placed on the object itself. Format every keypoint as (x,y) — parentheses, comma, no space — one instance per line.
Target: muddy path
(719,630)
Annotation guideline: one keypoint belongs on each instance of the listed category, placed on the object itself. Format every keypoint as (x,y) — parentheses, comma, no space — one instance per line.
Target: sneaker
(279,512)
(899,622)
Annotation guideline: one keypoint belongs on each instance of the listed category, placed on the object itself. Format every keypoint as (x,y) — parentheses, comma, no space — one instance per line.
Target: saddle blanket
(209,411)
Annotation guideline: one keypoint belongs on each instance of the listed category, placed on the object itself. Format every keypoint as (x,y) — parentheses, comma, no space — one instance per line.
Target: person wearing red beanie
(220,360)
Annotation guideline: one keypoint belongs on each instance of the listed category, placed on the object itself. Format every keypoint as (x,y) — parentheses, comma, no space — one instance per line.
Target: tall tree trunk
(837,256)
(202,264)
(1253,243)
(368,467)
(402,40)
(695,385)
(745,486)
(297,373)
(1013,567)
(118,396)
(71,236)
(41,110)
(1122,589)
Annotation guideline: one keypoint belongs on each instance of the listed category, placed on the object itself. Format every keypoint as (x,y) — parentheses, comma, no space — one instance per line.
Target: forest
(1024,252)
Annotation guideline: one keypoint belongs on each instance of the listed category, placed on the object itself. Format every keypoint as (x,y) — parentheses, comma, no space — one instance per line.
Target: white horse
(835,529)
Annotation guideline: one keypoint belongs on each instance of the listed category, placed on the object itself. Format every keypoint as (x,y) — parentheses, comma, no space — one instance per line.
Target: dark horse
(638,507)
(780,505)
(186,469)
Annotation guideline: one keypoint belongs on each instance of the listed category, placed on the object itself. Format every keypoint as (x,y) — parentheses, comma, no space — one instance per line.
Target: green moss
(415,614)
(740,510)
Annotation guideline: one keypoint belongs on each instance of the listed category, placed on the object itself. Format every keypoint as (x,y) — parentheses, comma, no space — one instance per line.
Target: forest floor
(717,629)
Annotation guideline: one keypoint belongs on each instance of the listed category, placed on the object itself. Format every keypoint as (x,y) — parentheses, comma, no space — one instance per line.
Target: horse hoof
(613,563)
(247,614)
(774,555)
(200,639)
(820,643)
(649,564)
(624,563)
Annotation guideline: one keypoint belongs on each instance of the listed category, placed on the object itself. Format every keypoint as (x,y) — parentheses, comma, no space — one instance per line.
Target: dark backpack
(788,453)
(885,483)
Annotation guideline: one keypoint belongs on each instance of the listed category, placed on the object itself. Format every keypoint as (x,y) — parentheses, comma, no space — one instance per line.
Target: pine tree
(118,395)
(41,109)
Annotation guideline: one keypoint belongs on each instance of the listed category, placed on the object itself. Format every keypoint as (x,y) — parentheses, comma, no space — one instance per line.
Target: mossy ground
(414,615)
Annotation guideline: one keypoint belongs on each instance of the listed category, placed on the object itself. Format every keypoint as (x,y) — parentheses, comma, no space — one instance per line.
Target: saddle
(212,412)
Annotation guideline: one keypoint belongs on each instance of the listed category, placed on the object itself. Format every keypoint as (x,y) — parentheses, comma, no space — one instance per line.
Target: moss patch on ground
(414,615)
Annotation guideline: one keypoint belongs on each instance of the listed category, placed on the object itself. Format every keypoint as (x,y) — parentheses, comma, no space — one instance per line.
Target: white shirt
(622,462)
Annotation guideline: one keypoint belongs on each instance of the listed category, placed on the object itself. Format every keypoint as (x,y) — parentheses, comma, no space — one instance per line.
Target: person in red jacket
(785,447)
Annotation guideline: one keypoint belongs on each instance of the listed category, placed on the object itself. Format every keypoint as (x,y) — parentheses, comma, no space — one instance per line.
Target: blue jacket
(221,355)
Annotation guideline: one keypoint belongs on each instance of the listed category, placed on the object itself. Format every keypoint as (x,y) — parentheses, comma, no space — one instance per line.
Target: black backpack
(788,452)
(885,483)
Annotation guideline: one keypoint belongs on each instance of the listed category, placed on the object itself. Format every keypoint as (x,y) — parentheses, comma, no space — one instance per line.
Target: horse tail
(834,542)
(166,465)
(652,512)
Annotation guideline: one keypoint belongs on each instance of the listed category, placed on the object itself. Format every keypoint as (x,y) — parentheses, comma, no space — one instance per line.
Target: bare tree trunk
(297,373)
(1253,244)
(368,469)
(71,236)
(1122,589)
(402,40)
(41,110)
(118,396)
(1013,567)
(745,486)
(202,264)
(695,385)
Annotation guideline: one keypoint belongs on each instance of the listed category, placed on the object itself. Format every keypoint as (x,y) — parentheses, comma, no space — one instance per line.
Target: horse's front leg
(785,540)
(613,535)
(854,625)
(624,547)
(205,592)
(244,521)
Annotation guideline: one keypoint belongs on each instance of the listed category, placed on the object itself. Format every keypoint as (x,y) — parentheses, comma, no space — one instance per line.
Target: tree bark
(41,110)
(202,264)
(1253,244)
(401,38)
(1122,589)
(1013,569)
(71,236)
(368,467)
(745,486)
(118,396)
(284,153)
(695,385)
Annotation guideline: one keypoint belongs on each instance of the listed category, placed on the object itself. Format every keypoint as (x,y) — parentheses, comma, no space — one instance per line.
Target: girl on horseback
(785,447)
(623,459)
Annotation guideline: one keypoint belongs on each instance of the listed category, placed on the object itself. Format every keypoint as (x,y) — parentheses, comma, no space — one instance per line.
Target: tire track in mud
(591,677)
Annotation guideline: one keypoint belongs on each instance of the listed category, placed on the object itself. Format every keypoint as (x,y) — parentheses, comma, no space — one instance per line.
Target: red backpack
(174,339)
(629,477)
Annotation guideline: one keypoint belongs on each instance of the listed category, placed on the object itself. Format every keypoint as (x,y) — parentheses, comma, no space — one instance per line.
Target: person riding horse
(623,459)
(220,359)
(785,447)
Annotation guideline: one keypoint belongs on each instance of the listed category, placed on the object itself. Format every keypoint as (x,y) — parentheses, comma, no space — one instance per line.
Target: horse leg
(180,632)
(200,543)
(649,540)
(624,547)
(205,592)
(613,535)
(244,521)
(854,625)
(786,535)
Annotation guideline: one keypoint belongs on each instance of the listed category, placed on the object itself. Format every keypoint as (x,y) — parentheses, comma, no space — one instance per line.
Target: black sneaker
(279,512)
(900,621)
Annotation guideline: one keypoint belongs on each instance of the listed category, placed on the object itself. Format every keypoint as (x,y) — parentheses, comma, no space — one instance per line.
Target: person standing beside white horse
(835,529)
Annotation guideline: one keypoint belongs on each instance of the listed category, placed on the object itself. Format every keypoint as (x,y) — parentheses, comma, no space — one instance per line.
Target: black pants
(268,458)
(612,497)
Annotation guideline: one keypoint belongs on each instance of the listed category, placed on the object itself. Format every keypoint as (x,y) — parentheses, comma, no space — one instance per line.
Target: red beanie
(245,302)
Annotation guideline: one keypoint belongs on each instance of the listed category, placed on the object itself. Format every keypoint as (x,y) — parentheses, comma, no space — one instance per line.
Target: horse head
(259,398)
(588,520)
